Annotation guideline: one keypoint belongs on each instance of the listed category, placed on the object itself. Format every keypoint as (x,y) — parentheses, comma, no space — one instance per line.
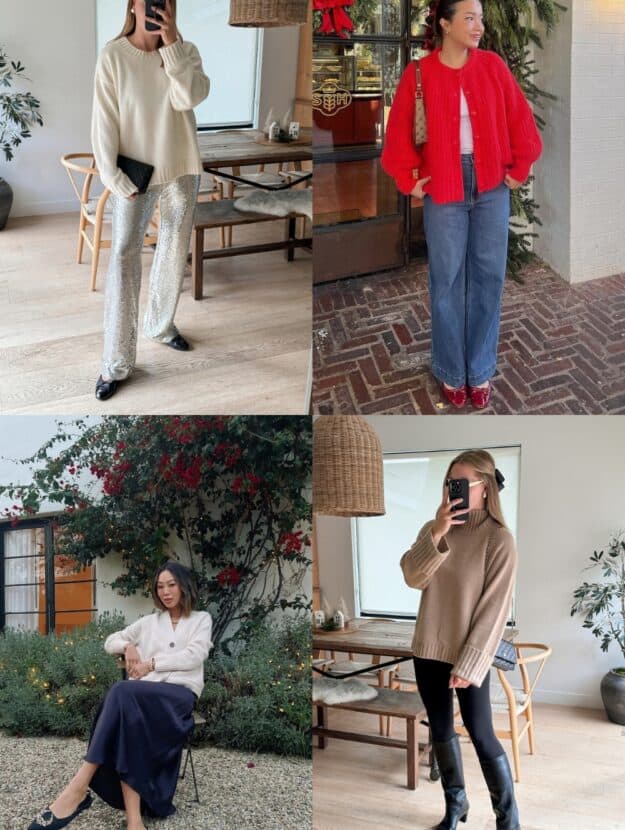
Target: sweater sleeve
(491,612)
(116,643)
(193,654)
(188,85)
(525,140)
(400,157)
(105,131)
(420,563)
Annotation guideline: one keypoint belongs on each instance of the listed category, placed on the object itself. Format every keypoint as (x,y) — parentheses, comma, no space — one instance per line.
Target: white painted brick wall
(582,206)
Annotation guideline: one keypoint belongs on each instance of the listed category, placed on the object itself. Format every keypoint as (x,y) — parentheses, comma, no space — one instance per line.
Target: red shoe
(480,395)
(456,397)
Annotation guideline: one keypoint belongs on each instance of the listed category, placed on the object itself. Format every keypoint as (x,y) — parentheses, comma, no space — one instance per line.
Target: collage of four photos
(312,415)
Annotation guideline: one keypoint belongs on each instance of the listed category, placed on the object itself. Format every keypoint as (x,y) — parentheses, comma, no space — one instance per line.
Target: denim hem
(483,377)
(446,377)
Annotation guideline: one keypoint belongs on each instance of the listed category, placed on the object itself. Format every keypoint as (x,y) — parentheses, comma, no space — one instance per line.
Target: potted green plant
(19,111)
(602,604)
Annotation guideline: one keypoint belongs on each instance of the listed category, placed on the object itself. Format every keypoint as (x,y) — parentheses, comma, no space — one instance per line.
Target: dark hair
(186,582)
(445,10)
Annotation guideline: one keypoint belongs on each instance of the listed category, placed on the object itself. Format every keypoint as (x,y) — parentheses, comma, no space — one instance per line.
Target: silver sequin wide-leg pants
(123,280)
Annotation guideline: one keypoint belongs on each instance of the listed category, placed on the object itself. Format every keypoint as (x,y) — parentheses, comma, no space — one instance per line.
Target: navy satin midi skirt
(137,736)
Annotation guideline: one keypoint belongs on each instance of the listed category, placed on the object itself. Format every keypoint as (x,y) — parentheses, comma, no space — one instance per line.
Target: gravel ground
(275,794)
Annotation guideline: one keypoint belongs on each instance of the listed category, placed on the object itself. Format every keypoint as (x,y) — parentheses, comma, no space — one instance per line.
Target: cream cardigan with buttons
(179,653)
(145,111)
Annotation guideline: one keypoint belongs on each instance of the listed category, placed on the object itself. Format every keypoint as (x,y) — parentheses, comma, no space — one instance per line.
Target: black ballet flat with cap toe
(46,820)
(105,389)
(178,343)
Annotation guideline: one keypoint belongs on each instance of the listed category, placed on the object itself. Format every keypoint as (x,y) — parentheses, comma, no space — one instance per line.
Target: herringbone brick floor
(561,349)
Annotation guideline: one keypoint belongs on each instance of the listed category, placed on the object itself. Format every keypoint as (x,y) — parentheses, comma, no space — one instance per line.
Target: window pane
(376,17)
(24,578)
(412,493)
(353,86)
(229,56)
(418,14)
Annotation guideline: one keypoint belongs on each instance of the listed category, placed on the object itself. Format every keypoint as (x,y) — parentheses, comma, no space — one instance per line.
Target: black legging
(433,682)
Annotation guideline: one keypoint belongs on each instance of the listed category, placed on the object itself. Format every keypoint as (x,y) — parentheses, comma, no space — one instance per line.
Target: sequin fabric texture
(123,279)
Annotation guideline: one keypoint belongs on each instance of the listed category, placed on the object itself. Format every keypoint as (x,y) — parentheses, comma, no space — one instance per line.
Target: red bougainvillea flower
(291,542)
(229,576)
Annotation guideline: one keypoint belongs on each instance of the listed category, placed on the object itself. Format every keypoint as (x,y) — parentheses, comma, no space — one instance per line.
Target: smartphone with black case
(149,6)
(458,488)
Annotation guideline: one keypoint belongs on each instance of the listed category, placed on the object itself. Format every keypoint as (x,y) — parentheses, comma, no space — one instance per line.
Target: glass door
(362,223)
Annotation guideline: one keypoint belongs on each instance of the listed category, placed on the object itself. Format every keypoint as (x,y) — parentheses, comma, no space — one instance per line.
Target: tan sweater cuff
(473,665)
(421,562)
(172,54)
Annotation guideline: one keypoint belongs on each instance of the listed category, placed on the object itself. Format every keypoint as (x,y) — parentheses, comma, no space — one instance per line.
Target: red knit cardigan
(505,137)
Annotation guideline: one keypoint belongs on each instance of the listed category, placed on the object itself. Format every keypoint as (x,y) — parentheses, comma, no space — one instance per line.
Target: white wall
(580,177)
(571,501)
(552,185)
(57,44)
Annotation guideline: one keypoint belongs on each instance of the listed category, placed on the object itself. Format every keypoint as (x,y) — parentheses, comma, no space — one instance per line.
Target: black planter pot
(613,695)
(6,200)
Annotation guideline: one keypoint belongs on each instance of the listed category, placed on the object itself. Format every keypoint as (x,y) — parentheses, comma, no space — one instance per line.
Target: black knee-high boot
(450,762)
(501,788)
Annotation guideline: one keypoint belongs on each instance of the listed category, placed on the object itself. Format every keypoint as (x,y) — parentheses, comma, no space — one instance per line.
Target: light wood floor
(575,781)
(251,332)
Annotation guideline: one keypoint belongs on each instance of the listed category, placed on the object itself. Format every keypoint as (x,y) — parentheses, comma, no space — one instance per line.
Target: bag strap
(419,87)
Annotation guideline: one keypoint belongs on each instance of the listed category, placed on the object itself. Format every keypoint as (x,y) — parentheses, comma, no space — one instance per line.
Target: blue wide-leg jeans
(467,253)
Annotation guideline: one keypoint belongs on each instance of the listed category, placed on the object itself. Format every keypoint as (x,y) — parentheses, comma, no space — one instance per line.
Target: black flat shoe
(105,389)
(178,343)
(46,820)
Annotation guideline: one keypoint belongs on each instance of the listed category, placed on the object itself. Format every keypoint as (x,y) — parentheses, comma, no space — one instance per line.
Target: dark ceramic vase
(613,695)
(6,200)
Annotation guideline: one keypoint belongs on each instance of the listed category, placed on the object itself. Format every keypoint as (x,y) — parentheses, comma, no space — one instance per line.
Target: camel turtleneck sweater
(467,587)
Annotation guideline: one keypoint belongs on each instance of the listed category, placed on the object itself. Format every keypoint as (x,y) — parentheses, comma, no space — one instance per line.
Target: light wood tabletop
(242,148)
(368,636)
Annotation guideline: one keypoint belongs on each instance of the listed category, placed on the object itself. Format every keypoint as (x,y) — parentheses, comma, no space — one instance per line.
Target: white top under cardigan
(179,653)
(145,111)
(466,129)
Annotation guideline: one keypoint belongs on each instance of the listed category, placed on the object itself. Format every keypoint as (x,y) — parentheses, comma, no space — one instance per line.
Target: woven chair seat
(499,701)
(90,208)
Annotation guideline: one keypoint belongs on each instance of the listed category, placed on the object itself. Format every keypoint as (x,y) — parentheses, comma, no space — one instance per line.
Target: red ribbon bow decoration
(335,17)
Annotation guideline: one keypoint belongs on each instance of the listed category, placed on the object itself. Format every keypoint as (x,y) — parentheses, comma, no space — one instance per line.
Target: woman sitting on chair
(140,729)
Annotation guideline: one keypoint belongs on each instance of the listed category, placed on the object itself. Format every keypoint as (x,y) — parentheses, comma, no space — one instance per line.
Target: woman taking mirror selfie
(140,728)
(476,141)
(147,82)
(465,565)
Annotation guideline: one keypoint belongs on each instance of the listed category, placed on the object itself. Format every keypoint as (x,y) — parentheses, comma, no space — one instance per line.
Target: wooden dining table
(375,636)
(250,148)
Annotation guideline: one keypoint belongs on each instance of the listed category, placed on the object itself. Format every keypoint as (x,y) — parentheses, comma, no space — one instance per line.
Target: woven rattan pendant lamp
(267,13)
(348,478)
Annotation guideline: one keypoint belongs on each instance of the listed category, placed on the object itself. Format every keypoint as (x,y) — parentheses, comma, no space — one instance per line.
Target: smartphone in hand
(150,5)
(458,488)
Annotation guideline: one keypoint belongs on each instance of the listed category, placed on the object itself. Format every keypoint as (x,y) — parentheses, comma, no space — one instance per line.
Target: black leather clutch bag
(138,172)
(505,656)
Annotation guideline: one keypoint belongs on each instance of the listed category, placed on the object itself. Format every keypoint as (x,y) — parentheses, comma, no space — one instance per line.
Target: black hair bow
(500,479)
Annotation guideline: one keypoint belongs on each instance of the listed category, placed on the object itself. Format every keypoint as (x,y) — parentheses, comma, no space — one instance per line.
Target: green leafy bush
(258,697)
(52,685)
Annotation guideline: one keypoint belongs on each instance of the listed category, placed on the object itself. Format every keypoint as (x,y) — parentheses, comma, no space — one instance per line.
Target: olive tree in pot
(19,111)
(602,604)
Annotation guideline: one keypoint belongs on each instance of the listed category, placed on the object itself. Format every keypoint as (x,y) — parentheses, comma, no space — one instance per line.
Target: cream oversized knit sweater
(467,586)
(145,111)
(178,653)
